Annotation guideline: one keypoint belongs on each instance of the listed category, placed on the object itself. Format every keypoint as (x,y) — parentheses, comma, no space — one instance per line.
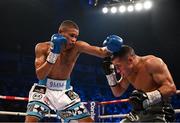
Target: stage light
(122,8)
(130,8)
(147,4)
(105,10)
(113,10)
(138,6)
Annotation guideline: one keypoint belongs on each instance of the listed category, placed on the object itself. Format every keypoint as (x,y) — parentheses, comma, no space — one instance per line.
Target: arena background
(24,23)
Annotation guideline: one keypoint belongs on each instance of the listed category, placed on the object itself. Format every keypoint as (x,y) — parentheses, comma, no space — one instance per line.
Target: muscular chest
(66,59)
(64,65)
(143,80)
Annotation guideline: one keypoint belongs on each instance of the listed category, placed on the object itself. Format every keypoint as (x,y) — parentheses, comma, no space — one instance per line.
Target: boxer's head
(124,60)
(70,31)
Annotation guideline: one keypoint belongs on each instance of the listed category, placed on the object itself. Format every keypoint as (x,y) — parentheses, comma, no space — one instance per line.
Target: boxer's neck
(136,62)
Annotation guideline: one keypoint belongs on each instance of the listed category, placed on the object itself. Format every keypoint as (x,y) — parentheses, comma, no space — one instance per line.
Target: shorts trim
(39,111)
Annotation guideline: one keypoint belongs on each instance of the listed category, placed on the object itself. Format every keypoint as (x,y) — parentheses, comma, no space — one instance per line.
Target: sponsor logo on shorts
(40,89)
(71,94)
(37,96)
(56,84)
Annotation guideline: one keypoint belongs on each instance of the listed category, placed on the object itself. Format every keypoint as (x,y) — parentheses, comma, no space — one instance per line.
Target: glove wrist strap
(112,80)
(52,57)
(154,97)
(105,48)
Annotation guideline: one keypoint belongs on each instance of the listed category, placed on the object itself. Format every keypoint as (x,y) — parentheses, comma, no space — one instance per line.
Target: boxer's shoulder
(81,44)
(152,62)
(42,47)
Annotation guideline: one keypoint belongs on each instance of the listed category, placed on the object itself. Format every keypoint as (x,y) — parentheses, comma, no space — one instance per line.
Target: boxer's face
(71,35)
(123,65)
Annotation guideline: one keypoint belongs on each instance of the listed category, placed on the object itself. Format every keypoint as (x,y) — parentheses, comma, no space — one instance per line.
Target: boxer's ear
(60,31)
(130,59)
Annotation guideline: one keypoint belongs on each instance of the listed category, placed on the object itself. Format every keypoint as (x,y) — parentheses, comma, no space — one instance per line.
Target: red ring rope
(102,103)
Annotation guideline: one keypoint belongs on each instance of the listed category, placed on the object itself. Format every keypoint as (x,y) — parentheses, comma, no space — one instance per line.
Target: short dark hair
(124,52)
(68,24)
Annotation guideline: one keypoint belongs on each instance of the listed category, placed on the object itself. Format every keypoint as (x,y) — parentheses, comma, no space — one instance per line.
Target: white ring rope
(23,114)
(55,116)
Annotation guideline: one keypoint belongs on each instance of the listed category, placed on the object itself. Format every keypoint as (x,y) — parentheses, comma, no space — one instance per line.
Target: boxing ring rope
(113,101)
(13,98)
(125,115)
(23,114)
(103,103)
(54,115)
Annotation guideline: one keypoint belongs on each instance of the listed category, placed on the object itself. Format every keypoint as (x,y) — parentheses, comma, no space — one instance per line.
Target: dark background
(24,23)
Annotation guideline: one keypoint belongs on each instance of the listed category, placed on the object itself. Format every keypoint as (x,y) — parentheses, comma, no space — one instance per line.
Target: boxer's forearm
(96,51)
(84,47)
(117,90)
(167,90)
(43,70)
(100,52)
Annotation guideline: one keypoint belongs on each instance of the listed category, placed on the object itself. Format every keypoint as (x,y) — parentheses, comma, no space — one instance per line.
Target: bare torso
(142,79)
(64,65)
(65,62)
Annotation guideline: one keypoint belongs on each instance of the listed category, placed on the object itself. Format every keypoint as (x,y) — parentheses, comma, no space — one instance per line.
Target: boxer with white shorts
(54,62)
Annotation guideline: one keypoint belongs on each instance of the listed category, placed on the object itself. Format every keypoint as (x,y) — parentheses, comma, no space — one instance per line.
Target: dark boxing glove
(141,100)
(109,70)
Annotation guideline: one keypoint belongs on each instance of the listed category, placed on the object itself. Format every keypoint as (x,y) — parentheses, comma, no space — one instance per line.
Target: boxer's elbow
(117,92)
(172,90)
(168,90)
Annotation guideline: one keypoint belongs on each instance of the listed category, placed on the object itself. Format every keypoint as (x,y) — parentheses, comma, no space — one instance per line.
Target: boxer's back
(66,60)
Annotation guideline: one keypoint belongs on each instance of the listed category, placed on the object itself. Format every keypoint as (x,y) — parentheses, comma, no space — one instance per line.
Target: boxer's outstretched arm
(120,88)
(162,76)
(84,47)
(42,66)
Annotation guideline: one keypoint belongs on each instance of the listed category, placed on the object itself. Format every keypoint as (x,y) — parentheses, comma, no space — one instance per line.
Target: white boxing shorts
(55,95)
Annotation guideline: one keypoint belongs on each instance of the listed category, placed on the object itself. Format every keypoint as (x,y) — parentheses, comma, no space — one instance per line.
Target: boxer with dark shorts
(152,81)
